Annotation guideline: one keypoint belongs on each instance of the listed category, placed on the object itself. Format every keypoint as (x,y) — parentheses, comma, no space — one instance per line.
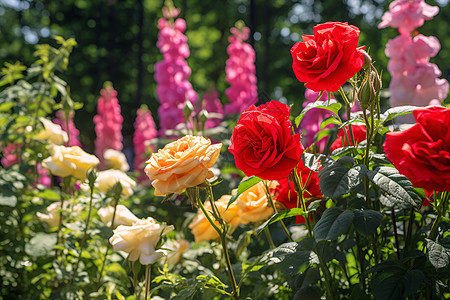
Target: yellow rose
(182,164)
(53,213)
(123,216)
(203,230)
(52,133)
(107,179)
(176,249)
(253,205)
(140,240)
(69,161)
(116,160)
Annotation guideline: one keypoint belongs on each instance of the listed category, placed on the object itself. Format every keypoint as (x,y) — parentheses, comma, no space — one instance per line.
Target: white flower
(140,240)
(116,160)
(176,249)
(52,133)
(107,179)
(123,216)
(53,213)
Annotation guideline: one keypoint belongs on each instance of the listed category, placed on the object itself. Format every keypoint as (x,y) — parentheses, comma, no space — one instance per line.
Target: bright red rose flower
(286,194)
(262,143)
(422,152)
(359,135)
(327,59)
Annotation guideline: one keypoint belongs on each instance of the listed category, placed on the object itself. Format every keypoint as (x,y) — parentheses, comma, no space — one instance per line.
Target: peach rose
(52,133)
(123,216)
(203,230)
(69,161)
(116,160)
(140,240)
(176,248)
(53,213)
(182,164)
(253,205)
(107,179)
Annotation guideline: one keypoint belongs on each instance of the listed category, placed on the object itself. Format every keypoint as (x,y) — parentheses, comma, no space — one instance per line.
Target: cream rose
(140,240)
(51,132)
(176,249)
(53,213)
(69,161)
(116,160)
(107,179)
(182,164)
(253,205)
(123,216)
(203,230)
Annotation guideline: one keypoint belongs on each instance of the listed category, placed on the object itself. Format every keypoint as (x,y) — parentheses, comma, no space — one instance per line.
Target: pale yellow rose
(202,229)
(116,160)
(140,240)
(253,205)
(107,179)
(123,216)
(69,161)
(176,249)
(182,164)
(53,213)
(51,132)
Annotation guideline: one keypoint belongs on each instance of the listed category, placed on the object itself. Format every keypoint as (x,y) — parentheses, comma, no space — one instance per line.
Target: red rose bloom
(262,143)
(359,135)
(327,59)
(286,194)
(422,152)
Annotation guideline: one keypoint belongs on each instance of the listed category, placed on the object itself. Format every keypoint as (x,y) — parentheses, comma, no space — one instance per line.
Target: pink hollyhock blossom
(108,123)
(241,74)
(214,108)
(171,74)
(144,131)
(73,131)
(310,124)
(10,155)
(407,15)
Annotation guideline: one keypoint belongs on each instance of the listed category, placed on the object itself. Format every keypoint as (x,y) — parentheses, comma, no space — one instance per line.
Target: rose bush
(422,152)
(325,60)
(262,142)
(182,164)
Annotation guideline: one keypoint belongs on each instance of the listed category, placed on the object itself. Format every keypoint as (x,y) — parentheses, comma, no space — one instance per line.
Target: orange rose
(182,164)
(253,205)
(203,230)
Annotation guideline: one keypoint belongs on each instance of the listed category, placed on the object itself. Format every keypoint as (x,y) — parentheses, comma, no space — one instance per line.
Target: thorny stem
(442,205)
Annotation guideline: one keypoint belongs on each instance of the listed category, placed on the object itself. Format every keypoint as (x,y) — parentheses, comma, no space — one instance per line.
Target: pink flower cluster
(415,81)
(144,130)
(214,108)
(171,74)
(108,123)
(73,131)
(241,72)
(11,155)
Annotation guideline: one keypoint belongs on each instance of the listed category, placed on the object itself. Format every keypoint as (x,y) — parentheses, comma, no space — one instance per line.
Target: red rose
(359,135)
(327,59)
(286,194)
(262,143)
(422,152)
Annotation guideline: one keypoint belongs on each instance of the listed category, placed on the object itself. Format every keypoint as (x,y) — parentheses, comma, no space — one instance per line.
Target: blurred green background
(117,42)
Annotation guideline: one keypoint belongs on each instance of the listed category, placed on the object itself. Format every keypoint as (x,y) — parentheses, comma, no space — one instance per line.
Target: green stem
(148,270)
(269,238)
(348,109)
(366,157)
(395,233)
(361,262)
(440,210)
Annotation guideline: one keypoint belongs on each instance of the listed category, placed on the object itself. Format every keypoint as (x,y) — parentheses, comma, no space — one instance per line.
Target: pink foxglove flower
(241,72)
(172,73)
(11,155)
(214,108)
(73,131)
(43,178)
(144,131)
(407,15)
(108,123)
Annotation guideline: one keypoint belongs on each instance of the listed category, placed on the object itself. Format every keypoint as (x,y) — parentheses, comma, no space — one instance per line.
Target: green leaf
(330,120)
(396,111)
(341,177)
(8,200)
(243,186)
(315,161)
(48,194)
(5,107)
(437,254)
(283,214)
(397,189)
(331,105)
(334,222)
(366,222)
(41,244)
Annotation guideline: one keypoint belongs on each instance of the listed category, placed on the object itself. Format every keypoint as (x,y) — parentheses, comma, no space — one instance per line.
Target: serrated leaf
(396,111)
(331,105)
(366,222)
(283,214)
(437,254)
(315,161)
(341,177)
(334,222)
(243,186)
(396,188)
